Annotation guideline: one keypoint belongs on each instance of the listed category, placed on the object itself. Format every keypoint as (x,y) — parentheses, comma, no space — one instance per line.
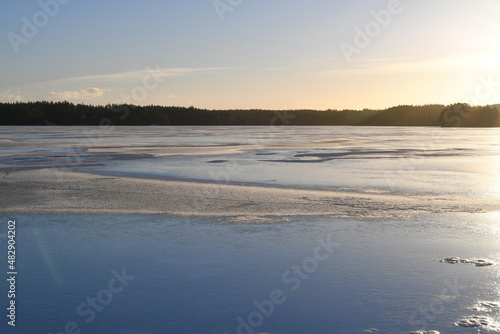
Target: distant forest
(65,113)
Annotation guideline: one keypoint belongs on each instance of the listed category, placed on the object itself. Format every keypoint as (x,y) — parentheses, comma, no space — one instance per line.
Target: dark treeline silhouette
(65,113)
(464,115)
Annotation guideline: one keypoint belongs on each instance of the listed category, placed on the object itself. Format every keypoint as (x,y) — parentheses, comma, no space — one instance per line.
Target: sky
(244,54)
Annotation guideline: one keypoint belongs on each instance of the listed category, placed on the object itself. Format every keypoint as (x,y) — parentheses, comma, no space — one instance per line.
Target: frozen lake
(295,230)
(397,159)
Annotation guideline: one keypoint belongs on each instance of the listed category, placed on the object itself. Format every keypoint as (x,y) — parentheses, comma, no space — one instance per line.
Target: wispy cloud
(411,65)
(133,76)
(10,96)
(88,93)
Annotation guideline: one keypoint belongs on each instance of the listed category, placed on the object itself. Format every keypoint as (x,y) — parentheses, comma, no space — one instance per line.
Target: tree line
(66,113)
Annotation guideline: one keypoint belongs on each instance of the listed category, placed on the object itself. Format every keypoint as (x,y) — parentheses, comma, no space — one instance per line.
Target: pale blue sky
(264,54)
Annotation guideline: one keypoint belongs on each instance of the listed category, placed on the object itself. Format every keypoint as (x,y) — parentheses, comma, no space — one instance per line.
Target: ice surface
(213,220)
(474,321)
(199,275)
(341,171)
(477,262)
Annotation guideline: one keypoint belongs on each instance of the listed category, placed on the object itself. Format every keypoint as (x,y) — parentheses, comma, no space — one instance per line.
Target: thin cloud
(9,96)
(133,76)
(403,65)
(88,93)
